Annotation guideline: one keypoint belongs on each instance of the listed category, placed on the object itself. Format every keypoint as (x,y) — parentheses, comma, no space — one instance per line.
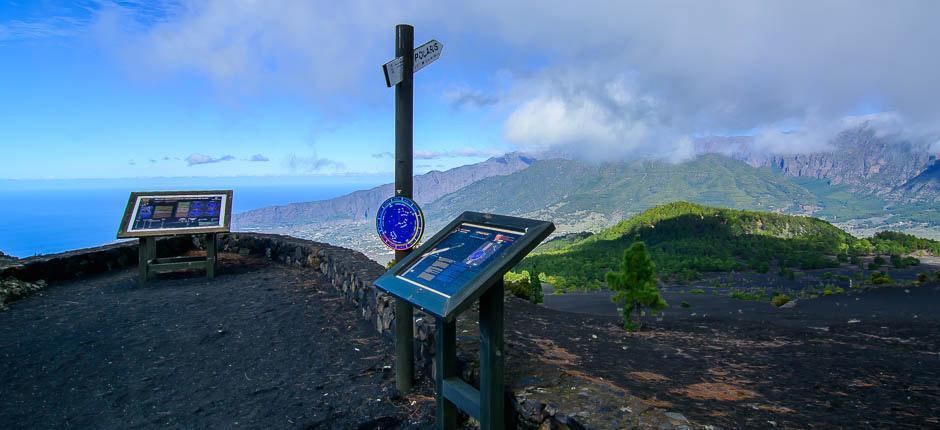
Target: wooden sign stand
(149,264)
(486,404)
(150,215)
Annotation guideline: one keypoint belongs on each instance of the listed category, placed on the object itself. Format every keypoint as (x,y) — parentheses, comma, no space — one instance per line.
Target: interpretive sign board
(464,262)
(166,213)
(399,223)
(460,262)
(170,213)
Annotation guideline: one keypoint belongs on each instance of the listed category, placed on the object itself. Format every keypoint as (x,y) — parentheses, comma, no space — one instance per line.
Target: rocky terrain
(362,204)
(860,157)
(926,184)
(6,259)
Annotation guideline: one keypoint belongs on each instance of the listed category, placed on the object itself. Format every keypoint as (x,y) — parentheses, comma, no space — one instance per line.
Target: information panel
(185,212)
(457,265)
(459,258)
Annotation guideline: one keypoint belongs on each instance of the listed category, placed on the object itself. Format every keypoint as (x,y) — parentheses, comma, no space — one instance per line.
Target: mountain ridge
(360,205)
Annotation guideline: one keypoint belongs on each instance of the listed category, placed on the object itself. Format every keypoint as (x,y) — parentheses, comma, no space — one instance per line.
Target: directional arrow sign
(424,55)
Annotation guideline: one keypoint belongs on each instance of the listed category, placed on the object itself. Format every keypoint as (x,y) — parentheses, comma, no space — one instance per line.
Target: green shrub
(685,304)
(745,295)
(896,261)
(697,291)
(780,300)
(523,286)
(922,278)
(881,278)
(878,260)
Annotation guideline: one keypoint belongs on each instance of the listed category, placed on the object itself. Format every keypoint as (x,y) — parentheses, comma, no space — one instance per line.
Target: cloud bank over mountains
(599,78)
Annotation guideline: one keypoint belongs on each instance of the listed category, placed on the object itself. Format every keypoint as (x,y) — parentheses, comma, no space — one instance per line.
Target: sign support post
(404,170)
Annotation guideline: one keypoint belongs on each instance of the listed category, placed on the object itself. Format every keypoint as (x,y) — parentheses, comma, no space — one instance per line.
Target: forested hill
(686,238)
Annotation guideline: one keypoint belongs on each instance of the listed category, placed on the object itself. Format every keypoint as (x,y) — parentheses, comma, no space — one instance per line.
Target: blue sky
(99,89)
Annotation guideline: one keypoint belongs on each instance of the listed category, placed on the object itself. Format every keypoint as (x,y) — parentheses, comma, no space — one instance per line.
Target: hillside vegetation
(685,239)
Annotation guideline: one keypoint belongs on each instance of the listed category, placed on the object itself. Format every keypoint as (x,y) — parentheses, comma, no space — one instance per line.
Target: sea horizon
(49,216)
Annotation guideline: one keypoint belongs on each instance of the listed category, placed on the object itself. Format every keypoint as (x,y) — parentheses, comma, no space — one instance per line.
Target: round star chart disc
(399,223)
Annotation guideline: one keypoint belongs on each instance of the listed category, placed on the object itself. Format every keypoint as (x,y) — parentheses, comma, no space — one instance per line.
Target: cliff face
(361,205)
(926,185)
(859,158)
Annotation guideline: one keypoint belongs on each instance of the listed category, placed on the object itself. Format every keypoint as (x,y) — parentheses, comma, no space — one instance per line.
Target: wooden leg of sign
(151,255)
(404,345)
(492,402)
(143,260)
(445,362)
(211,245)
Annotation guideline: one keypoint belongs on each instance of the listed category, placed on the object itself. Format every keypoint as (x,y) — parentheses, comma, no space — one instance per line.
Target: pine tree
(635,285)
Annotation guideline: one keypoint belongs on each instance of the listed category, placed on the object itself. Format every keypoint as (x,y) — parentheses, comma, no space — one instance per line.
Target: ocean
(45,217)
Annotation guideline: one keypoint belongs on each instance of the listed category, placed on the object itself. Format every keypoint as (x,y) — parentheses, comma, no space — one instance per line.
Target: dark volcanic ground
(867,359)
(262,346)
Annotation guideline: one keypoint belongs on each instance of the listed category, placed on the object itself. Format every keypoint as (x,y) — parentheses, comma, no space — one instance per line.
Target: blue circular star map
(400,223)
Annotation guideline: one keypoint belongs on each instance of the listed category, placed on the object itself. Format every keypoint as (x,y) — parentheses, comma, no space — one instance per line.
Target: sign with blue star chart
(456,266)
(400,223)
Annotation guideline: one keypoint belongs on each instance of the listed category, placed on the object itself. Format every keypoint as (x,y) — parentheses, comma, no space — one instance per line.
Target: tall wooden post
(404,170)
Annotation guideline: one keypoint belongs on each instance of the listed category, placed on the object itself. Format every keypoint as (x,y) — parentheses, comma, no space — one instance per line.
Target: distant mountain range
(860,158)
(362,204)
(863,175)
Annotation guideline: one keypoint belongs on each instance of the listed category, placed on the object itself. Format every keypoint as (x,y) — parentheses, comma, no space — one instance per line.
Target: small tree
(538,295)
(635,285)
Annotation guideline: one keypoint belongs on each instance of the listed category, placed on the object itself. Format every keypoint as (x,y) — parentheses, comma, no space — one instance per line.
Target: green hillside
(562,190)
(685,238)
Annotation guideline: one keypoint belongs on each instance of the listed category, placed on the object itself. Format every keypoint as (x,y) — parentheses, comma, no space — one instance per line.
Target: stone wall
(89,261)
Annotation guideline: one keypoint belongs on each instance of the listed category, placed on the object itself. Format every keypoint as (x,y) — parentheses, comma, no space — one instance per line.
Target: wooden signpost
(171,213)
(400,73)
(462,263)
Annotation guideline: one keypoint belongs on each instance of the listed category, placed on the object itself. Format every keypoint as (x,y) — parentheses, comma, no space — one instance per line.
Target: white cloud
(312,164)
(197,158)
(595,118)
(463,152)
(613,78)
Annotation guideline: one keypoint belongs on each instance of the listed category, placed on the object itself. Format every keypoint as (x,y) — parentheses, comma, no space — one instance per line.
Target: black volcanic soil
(262,346)
(868,359)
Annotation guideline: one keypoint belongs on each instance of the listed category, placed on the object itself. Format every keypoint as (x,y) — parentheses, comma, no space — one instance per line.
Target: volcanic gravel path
(261,346)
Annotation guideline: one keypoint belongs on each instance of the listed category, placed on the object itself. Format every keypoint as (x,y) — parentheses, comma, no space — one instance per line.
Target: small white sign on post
(424,55)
